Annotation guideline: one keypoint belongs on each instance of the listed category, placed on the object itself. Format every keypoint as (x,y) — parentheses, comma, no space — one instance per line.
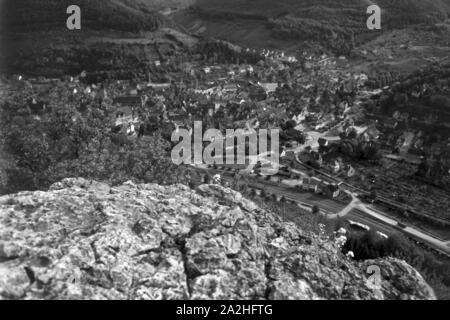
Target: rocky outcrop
(87,240)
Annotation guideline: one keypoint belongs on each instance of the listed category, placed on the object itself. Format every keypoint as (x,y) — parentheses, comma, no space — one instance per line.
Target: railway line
(357,211)
(379,199)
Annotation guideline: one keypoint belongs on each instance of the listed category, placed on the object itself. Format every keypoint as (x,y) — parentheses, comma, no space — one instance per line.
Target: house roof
(390,122)
(159,85)
(230,87)
(125,110)
(269,86)
(128,100)
(315,181)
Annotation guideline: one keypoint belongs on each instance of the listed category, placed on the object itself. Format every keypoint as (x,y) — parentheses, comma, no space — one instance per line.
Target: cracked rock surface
(86,240)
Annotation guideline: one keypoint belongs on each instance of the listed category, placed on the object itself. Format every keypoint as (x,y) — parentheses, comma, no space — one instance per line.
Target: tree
(207,179)
(315,210)
(263,193)
(67,143)
(283,204)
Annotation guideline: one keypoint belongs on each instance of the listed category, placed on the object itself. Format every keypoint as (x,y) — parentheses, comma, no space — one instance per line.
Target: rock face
(86,240)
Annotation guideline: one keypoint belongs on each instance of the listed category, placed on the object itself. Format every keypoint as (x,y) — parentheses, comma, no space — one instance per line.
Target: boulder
(86,240)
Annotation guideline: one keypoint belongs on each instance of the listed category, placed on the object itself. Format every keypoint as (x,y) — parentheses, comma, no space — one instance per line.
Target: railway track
(329,206)
(380,199)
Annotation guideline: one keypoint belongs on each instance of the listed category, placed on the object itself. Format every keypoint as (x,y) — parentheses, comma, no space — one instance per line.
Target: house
(305,184)
(125,116)
(230,88)
(219,103)
(257,93)
(242,95)
(330,190)
(289,59)
(269,87)
(371,133)
(328,141)
(315,184)
(131,129)
(351,171)
(159,86)
(130,101)
(336,167)
(36,107)
(311,184)
(166,11)
(390,123)
(126,107)
(177,116)
(359,130)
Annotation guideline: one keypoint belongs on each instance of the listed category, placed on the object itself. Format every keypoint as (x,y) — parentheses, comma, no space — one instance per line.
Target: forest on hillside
(27,15)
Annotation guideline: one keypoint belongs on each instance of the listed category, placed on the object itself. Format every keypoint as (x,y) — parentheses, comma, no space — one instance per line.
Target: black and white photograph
(223,155)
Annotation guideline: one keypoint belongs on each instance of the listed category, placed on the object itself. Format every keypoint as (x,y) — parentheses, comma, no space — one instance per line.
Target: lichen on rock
(86,240)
